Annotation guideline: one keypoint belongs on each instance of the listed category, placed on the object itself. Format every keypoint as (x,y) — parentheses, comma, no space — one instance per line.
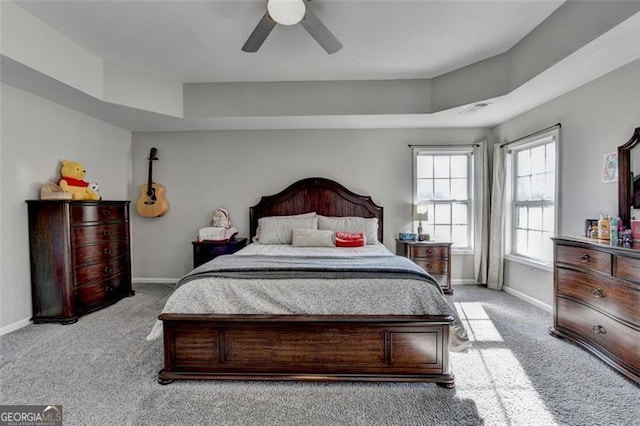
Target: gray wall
(36,135)
(595,118)
(205,170)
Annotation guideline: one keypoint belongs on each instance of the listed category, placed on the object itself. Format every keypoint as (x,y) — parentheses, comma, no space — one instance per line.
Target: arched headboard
(323,196)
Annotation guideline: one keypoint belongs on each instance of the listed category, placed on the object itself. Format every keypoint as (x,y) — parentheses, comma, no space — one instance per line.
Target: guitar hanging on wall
(152,202)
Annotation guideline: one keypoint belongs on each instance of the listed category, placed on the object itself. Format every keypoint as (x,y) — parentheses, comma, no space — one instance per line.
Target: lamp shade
(420,212)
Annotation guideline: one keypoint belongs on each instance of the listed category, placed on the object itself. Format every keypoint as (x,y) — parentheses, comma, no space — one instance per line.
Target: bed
(203,340)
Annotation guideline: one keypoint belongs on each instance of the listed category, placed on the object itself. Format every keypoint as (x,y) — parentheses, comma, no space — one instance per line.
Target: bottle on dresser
(604,227)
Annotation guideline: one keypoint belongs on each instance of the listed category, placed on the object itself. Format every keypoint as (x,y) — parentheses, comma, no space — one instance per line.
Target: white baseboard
(463,281)
(15,326)
(528,299)
(155,280)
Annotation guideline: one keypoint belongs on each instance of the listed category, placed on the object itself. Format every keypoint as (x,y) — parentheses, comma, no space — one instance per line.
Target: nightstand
(204,251)
(434,257)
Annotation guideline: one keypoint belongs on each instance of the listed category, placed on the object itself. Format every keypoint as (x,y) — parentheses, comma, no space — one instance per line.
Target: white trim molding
(14,326)
(528,299)
(155,280)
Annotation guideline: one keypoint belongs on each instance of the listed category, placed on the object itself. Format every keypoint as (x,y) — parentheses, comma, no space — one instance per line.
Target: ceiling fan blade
(259,34)
(320,33)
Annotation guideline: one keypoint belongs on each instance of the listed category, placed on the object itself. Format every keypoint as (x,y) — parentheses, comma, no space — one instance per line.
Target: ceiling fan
(291,12)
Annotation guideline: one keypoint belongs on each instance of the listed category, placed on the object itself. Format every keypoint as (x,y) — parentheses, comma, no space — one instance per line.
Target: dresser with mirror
(597,284)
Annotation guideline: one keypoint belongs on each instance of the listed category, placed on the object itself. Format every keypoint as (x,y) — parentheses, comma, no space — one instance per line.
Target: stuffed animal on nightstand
(72,180)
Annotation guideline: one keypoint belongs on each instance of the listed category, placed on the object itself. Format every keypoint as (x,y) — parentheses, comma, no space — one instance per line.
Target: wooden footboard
(403,348)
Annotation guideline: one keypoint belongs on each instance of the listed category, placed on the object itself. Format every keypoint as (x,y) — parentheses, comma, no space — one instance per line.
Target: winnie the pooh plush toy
(73,173)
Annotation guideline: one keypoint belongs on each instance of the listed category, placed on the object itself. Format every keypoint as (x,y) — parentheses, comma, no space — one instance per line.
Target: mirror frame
(625,186)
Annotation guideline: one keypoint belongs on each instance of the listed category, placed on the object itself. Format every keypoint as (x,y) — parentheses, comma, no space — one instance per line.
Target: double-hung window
(443,181)
(532,174)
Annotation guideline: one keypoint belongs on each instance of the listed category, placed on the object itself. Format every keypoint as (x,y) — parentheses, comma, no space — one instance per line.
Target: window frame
(550,136)
(470,201)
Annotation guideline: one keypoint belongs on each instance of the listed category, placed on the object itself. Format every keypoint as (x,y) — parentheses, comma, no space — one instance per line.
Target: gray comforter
(311,285)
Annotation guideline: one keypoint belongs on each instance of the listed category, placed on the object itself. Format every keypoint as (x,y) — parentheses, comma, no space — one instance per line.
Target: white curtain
(481,190)
(495,273)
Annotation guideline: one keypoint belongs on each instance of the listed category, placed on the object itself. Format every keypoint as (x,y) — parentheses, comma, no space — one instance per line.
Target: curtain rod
(558,125)
(473,145)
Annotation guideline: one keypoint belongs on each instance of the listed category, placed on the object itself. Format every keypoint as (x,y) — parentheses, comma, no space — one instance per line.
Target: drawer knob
(584,258)
(429,252)
(598,329)
(106,233)
(428,266)
(107,251)
(105,212)
(107,269)
(598,293)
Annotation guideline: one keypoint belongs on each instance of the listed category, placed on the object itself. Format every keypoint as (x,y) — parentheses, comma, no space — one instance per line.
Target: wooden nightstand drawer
(584,258)
(429,252)
(433,266)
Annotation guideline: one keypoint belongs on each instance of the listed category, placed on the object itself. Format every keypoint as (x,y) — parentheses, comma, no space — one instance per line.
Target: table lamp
(420,213)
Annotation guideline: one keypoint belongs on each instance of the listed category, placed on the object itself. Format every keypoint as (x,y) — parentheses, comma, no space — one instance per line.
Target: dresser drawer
(432,266)
(98,213)
(97,294)
(429,252)
(101,271)
(99,233)
(621,302)
(99,252)
(584,258)
(628,268)
(614,337)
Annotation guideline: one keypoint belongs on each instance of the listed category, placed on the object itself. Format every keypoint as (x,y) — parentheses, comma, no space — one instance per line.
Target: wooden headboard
(320,195)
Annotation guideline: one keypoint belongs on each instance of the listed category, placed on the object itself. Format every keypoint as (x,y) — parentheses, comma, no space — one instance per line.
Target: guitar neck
(150,182)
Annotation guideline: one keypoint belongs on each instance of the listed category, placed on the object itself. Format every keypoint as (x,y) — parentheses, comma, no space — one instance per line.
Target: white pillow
(312,238)
(277,229)
(368,226)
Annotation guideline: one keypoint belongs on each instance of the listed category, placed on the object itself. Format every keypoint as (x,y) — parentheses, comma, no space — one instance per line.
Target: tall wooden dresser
(80,257)
(597,300)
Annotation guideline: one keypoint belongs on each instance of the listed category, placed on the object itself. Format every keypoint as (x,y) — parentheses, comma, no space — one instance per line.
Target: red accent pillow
(350,239)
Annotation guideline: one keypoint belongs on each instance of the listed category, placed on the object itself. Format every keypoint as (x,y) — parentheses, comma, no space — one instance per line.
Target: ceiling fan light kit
(291,12)
(286,12)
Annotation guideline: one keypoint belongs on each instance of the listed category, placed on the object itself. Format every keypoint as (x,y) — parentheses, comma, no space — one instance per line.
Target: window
(532,171)
(443,182)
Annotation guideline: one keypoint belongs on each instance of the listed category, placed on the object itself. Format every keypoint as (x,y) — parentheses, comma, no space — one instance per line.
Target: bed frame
(402,348)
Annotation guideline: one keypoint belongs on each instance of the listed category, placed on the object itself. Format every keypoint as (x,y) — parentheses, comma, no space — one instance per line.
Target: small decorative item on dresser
(204,251)
(433,257)
(407,236)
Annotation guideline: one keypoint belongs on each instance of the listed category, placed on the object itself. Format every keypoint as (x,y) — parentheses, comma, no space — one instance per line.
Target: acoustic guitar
(152,202)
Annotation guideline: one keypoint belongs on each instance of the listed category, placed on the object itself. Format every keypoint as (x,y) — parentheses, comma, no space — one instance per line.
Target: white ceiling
(199,41)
